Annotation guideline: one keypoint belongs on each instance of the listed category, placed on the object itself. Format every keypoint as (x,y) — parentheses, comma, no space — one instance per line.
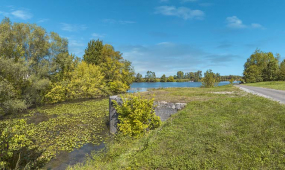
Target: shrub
(170,79)
(231,80)
(136,116)
(209,79)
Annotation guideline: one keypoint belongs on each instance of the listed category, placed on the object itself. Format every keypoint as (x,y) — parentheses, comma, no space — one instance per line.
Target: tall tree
(163,78)
(138,78)
(282,70)
(150,76)
(93,52)
(180,74)
(261,66)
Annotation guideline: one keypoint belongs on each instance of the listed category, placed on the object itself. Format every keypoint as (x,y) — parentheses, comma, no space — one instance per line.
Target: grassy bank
(278,85)
(216,130)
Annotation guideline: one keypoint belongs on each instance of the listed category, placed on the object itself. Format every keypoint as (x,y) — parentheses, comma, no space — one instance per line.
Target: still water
(65,159)
(141,87)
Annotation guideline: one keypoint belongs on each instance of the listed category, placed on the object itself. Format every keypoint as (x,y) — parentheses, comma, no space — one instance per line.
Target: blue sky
(164,36)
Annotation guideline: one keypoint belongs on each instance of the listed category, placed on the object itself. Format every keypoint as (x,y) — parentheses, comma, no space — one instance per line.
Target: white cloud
(255,25)
(72,27)
(76,46)
(235,22)
(112,21)
(98,35)
(24,15)
(43,20)
(183,12)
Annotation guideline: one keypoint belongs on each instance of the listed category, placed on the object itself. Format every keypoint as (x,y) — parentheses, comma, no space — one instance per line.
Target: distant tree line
(180,77)
(263,66)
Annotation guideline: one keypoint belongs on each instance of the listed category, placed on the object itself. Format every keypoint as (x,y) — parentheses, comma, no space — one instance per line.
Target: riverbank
(278,85)
(220,128)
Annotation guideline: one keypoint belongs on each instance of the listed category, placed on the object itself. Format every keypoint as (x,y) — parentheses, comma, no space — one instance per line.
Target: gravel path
(277,95)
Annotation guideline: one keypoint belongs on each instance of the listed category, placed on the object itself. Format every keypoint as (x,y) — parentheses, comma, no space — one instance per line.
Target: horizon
(163,36)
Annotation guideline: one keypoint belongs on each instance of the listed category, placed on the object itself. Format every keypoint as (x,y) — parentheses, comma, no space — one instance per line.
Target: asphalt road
(277,95)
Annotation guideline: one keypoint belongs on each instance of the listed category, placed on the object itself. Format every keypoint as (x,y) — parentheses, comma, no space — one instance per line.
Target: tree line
(36,68)
(263,66)
(180,77)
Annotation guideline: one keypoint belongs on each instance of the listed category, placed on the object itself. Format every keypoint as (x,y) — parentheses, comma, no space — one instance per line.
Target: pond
(141,87)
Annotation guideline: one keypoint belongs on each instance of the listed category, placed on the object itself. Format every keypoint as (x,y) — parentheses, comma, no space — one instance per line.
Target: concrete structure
(163,109)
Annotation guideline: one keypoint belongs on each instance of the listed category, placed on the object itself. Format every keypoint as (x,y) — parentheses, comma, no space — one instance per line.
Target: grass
(214,131)
(278,85)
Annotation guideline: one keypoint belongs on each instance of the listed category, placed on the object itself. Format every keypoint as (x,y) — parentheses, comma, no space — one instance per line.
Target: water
(64,159)
(141,87)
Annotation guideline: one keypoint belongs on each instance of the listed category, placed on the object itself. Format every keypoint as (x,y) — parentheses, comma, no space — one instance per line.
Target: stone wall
(163,109)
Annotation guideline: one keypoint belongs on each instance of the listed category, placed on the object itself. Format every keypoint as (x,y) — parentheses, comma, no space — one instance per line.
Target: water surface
(143,86)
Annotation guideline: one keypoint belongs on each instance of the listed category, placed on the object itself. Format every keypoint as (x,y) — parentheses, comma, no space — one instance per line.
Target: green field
(278,85)
(216,130)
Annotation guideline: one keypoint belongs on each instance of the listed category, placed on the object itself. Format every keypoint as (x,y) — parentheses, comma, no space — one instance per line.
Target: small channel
(65,159)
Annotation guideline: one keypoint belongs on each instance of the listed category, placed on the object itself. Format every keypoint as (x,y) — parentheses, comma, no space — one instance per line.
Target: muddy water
(65,159)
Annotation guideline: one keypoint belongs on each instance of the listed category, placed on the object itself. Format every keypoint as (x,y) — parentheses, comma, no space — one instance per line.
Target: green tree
(163,78)
(261,66)
(252,74)
(282,70)
(138,78)
(150,76)
(209,79)
(170,79)
(180,74)
(93,52)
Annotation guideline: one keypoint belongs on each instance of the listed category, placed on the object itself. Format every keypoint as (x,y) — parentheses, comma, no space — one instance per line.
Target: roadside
(276,95)
(277,85)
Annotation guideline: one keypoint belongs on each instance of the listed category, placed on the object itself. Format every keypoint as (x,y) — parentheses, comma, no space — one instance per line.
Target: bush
(231,81)
(170,79)
(136,116)
(209,79)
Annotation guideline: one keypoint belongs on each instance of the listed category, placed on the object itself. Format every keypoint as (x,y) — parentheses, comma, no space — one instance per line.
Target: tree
(170,79)
(252,74)
(261,66)
(86,81)
(209,79)
(180,74)
(270,73)
(163,78)
(93,52)
(192,76)
(138,78)
(282,70)
(150,76)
